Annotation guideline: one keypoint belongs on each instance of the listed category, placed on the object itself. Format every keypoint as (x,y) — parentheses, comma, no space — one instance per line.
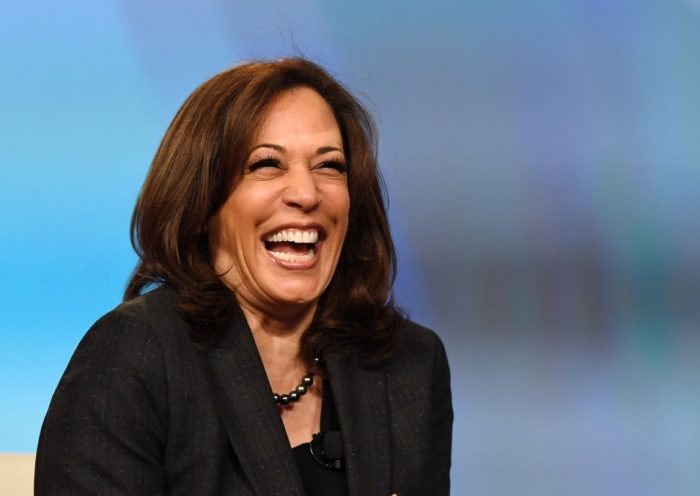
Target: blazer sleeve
(442,419)
(106,425)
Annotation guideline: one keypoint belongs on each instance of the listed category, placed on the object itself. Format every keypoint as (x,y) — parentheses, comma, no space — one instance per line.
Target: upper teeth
(294,236)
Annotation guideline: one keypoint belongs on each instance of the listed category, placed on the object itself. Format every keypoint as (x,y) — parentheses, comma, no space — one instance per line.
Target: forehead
(299,113)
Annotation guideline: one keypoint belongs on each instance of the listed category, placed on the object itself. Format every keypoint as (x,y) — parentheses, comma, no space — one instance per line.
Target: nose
(301,190)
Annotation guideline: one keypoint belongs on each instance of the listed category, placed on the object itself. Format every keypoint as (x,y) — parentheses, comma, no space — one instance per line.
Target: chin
(297,299)
(296,294)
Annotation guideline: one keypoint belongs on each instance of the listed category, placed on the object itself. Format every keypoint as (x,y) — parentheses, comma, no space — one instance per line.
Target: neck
(278,342)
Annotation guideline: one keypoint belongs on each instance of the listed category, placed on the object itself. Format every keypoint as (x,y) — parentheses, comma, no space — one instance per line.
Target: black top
(317,479)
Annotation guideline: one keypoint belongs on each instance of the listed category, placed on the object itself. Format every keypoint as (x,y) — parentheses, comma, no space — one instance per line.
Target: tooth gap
(269,245)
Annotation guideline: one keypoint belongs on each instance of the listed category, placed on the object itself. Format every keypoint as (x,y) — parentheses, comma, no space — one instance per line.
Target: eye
(333,165)
(262,163)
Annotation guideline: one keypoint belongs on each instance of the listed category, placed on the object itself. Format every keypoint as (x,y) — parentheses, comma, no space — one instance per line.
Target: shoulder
(414,340)
(138,318)
(132,335)
(411,334)
(127,334)
(155,304)
(419,351)
(125,354)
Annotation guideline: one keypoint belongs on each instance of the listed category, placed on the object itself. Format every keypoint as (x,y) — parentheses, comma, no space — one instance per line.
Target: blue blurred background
(543,164)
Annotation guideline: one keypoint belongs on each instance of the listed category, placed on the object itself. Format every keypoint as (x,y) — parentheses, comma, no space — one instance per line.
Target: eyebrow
(281,149)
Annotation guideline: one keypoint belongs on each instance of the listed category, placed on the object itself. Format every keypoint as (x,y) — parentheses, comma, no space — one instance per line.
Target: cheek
(219,243)
(253,203)
(242,210)
(227,229)
(341,203)
(346,209)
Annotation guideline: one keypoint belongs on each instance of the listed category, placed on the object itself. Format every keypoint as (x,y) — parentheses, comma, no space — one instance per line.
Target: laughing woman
(258,350)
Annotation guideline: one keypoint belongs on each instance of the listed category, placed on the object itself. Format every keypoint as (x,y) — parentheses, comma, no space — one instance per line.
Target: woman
(258,317)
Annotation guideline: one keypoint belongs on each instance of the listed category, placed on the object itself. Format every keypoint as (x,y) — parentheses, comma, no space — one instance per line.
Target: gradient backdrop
(543,162)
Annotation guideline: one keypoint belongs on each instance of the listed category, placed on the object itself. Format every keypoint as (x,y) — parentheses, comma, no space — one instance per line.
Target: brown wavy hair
(196,167)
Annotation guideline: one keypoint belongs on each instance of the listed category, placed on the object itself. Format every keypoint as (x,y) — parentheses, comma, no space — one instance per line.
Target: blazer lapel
(361,401)
(249,415)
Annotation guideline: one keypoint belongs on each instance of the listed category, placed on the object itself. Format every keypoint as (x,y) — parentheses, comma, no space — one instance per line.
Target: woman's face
(278,237)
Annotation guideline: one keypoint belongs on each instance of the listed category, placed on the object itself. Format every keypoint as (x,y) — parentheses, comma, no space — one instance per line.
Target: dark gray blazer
(141,411)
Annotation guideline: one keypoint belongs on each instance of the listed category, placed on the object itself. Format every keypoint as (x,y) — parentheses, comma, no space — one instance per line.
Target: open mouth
(293,245)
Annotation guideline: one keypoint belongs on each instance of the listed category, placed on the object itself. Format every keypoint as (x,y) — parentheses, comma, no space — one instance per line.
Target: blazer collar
(246,408)
(361,401)
(256,432)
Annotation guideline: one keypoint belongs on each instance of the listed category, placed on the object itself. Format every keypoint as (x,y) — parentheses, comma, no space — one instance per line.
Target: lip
(302,226)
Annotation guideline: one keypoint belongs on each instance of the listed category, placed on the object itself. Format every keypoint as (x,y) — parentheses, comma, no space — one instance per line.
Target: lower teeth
(293,257)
